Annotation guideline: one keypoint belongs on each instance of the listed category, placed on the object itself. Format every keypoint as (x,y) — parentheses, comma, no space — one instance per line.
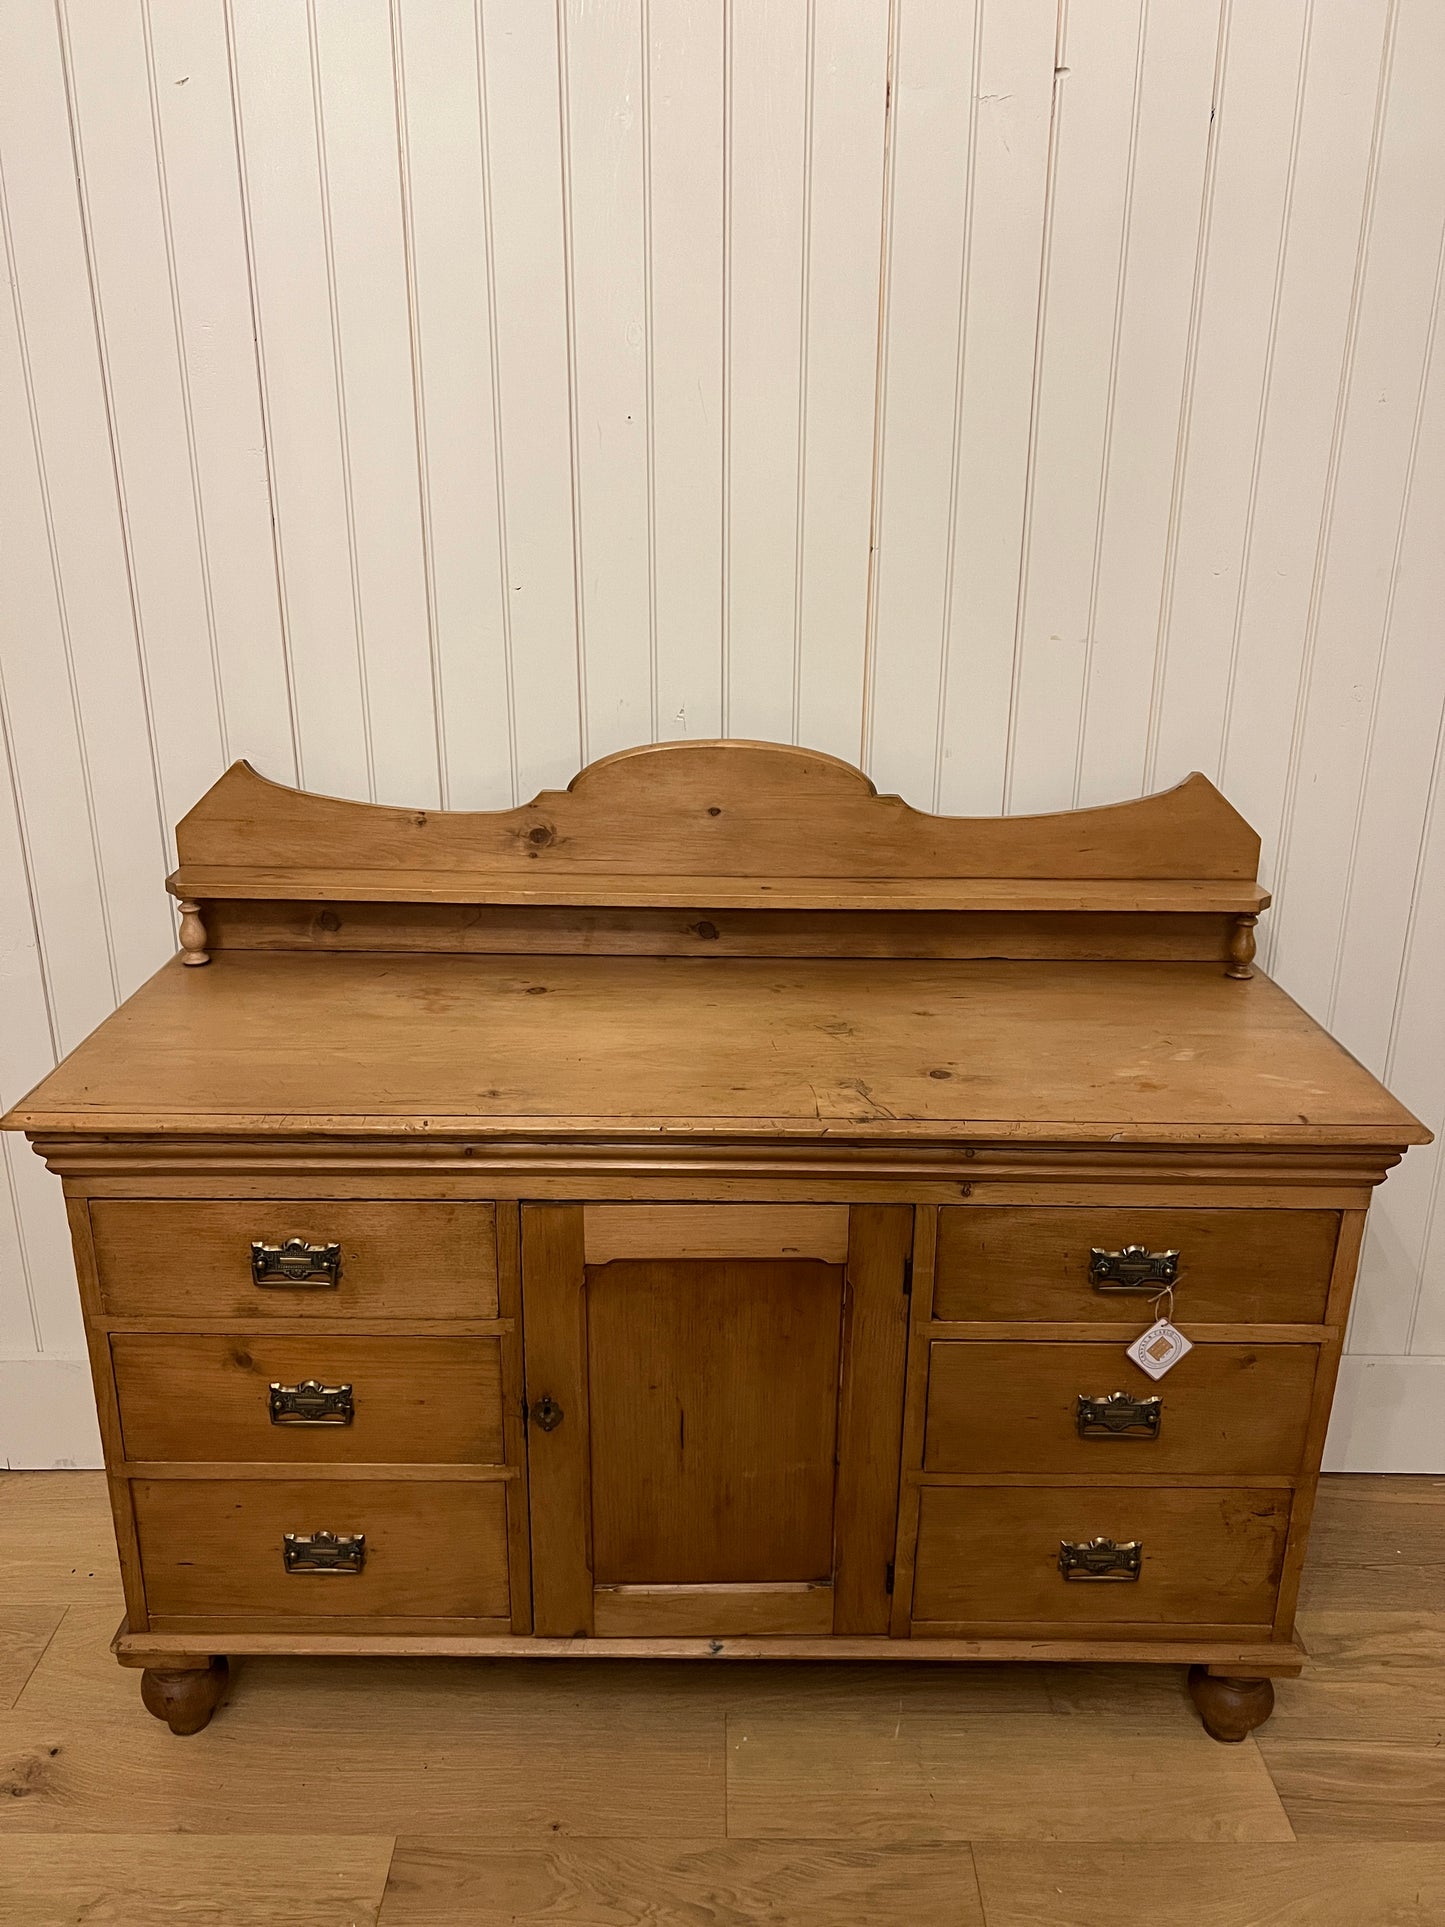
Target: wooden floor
(447,1794)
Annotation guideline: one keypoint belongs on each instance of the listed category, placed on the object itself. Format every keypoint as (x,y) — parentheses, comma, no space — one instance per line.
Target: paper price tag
(1160,1348)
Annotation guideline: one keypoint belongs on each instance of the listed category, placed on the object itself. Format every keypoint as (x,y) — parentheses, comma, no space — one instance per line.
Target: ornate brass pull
(1100,1559)
(294,1262)
(548,1414)
(312,1403)
(324,1551)
(1135,1268)
(1118,1416)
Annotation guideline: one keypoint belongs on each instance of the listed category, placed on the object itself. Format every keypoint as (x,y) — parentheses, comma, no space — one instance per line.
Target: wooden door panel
(713,1389)
(715,1397)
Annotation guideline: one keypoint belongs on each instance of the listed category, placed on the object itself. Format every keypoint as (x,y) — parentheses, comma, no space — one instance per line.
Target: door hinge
(888,1577)
(908,1277)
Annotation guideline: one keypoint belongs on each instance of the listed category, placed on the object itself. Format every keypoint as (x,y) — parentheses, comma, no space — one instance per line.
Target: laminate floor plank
(25,1632)
(915,1772)
(1314,1884)
(1370,1676)
(57,1542)
(1377,1544)
(1359,1789)
(631,1751)
(180,1880)
(739,1883)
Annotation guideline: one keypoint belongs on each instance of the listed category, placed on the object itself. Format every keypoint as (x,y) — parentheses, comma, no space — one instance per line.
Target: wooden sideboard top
(730,938)
(360,1043)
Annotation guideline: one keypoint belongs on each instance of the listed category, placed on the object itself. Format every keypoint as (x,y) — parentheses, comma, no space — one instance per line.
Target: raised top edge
(725,809)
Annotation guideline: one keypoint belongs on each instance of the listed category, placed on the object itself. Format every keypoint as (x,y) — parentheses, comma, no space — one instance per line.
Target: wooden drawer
(1235,1267)
(215,1547)
(1226,1409)
(412,1400)
(429,1259)
(990,1555)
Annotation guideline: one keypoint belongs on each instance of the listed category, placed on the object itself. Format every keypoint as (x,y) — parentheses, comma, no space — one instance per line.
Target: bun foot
(184,1700)
(1230,1708)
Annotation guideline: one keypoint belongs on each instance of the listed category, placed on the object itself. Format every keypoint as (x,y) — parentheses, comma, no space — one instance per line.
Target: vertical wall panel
(1034,399)
(438,48)
(117,793)
(299,349)
(522,110)
(684,199)
(195,157)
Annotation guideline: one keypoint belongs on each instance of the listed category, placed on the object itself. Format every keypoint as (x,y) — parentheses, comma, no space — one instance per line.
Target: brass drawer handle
(324,1551)
(312,1403)
(1135,1268)
(294,1262)
(1100,1559)
(1116,1415)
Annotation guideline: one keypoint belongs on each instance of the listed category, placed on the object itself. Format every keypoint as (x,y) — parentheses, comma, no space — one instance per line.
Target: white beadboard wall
(1032,399)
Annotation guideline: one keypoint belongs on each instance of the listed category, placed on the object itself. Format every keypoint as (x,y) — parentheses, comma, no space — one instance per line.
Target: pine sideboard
(703,1212)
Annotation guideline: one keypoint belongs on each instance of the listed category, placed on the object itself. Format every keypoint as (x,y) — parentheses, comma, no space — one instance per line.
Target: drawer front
(991,1555)
(1225,1409)
(1234,1267)
(217,1547)
(381,1400)
(428,1259)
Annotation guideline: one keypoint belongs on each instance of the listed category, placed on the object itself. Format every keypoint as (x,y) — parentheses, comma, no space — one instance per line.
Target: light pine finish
(988,1556)
(477,1047)
(634,1231)
(1266,1267)
(428,1400)
(679,811)
(214,1548)
(1013,1407)
(730,1305)
(194,1260)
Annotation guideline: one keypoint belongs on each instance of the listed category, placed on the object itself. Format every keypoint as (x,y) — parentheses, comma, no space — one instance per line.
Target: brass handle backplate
(548,1414)
(1135,1268)
(312,1403)
(294,1262)
(1116,1415)
(324,1551)
(1100,1559)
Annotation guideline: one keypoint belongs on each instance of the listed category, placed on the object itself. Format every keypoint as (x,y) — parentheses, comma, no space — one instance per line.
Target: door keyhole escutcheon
(547,1413)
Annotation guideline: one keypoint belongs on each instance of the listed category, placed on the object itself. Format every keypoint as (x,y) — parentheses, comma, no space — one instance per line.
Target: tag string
(1166,1291)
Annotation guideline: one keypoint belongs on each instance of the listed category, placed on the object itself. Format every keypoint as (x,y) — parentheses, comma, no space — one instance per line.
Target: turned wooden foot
(1230,1708)
(184,1700)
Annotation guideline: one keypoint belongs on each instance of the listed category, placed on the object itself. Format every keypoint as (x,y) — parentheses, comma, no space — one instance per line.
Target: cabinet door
(715,1398)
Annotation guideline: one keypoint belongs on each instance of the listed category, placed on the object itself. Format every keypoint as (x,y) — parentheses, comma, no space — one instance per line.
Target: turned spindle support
(1230,1708)
(184,1697)
(193,934)
(1241,948)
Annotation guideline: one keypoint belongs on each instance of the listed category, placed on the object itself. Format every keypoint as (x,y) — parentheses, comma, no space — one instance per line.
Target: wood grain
(709,808)
(25,1632)
(992,1554)
(715,1231)
(870,1414)
(441,1882)
(216,1548)
(928,1772)
(701,1475)
(181,1880)
(1359,1789)
(640,1612)
(1226,1409)
(1022,1262)
(532,929)
(194,1259)
(1370,1676)
(425,1400)
(966,1052)
(1313,1884)
(559,1464)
